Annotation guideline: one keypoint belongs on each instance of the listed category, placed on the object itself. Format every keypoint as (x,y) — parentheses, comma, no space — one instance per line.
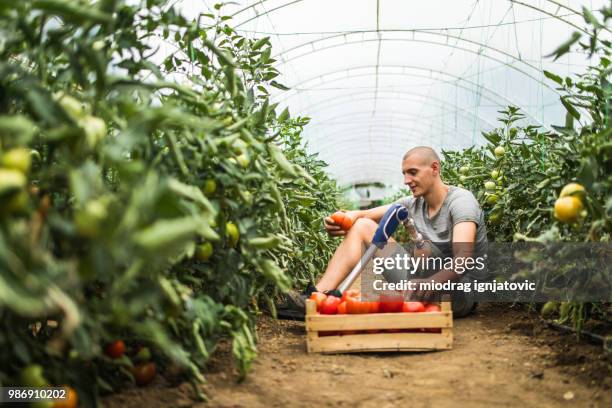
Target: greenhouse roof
(377,77)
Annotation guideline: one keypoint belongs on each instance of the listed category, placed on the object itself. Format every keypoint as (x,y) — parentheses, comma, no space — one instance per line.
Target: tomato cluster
(351,303)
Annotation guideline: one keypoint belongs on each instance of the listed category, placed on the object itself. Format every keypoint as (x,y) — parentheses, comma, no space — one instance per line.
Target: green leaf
(570,108)
(260,43)
(279,86)
(281,160)
(554,77)
(589,18)
(71,11)
(192,193)
(284,115)
(565,47)
(169,234)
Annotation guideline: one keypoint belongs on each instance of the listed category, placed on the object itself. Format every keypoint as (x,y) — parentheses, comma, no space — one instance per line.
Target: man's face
(418,174)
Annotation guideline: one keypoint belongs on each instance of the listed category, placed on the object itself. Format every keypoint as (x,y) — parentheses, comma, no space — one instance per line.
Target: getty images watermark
(404,263)
(507,272)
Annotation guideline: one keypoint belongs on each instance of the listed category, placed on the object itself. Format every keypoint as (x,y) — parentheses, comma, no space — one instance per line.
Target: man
(448,217)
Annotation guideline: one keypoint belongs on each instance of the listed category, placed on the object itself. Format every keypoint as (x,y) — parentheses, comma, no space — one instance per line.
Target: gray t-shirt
(459,205)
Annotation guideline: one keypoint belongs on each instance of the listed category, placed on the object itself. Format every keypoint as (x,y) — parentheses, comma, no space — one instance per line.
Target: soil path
(499,358)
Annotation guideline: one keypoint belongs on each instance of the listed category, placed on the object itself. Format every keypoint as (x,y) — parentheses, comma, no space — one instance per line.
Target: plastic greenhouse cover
(379,77)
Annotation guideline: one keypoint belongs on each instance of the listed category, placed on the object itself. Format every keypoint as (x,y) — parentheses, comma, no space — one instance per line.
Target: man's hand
(336,230)
(419,294)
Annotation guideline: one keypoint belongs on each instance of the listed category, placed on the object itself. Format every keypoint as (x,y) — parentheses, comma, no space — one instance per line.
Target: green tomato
(144,354)
(18,159)
(492,199)
(243,160)
(462,178)
(204,251)
(233,233)
(495,218)
(32,376)
(495,174)
(17,203)
(209,188)
(464,170)
(95,129)
(499,151)
(11,180)
(239,146)
(489,185)
(88,220)
(73,107)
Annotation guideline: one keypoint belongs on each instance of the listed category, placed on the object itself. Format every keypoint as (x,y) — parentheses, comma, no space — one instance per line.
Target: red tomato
(144,373)
(353,293)
(374,307)
(342,220)
(330,305)
(342,308)
(391,303)
(318,297)
(115,349)
(432,308)
(354,306)
(413,307)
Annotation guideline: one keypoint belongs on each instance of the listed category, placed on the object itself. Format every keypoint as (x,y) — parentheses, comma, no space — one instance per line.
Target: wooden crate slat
(380,342)
(379,321)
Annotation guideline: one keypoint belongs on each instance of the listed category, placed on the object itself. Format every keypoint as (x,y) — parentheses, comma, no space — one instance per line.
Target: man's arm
(464,236)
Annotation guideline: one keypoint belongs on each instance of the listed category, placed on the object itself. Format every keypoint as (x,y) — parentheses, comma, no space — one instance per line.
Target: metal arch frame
(385,171)
(408,135)
(325,122)
(465,112)
(434,43)
(390,131)
(420,31)
(384,168)
(413,75)
(398,135)
(299,1)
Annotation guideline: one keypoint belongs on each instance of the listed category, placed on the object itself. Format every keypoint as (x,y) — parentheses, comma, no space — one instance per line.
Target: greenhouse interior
(305,203)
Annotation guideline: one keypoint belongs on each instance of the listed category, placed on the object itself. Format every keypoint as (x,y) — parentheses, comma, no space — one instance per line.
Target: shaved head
(425,154)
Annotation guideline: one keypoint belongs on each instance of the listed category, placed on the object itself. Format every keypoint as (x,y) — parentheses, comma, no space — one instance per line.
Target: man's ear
(435,167)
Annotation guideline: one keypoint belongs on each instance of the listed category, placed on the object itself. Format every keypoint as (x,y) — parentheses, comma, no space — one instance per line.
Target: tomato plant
(550,186)
(168,210)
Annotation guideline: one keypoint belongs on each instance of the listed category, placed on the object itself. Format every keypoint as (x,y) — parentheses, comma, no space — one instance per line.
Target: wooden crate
(345,343)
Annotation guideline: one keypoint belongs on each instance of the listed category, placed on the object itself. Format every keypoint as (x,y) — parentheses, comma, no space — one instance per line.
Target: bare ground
(501,357)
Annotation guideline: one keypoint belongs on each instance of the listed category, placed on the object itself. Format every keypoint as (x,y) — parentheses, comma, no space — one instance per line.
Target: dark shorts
(463,303)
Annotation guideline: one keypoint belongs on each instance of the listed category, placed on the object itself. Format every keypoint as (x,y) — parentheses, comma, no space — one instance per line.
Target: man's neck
(435,197)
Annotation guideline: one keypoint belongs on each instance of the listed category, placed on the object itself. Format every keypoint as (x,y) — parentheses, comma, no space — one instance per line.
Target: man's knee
(364,226)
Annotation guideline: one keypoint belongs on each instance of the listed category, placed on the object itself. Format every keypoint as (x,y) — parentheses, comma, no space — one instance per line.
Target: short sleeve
(465,207)
(407,201)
